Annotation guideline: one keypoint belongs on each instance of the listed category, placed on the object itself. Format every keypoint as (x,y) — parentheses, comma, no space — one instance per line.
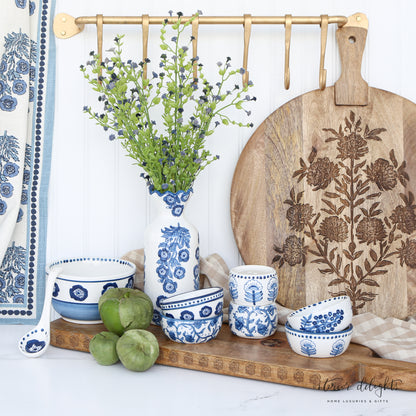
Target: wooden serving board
(324,192)
(270,359)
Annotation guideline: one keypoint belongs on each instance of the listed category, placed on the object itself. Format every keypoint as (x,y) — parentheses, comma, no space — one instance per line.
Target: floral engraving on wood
(352,191)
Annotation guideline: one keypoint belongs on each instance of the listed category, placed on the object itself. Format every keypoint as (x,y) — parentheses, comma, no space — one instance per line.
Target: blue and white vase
(171,249)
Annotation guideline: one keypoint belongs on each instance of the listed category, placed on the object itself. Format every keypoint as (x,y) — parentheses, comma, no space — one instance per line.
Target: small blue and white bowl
(253,285)
(197,304)
(81,283)
(191,331)
(322,345)
(330,315)
(253,322)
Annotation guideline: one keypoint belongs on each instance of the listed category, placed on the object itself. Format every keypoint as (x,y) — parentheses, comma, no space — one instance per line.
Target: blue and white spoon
(35,342)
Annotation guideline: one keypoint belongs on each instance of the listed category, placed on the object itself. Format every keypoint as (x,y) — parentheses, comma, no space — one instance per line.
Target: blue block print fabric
(27,65)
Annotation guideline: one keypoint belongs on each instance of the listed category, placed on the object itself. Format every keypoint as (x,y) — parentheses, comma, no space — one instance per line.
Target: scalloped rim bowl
(191,332)
(328,316)
(196,304)
(82,282)
(323,345)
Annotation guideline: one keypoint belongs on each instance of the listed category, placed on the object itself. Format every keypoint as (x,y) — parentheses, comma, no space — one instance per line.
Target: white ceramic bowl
(82,282)
(253,285)
(191,332)
(253,322)
(322,345)
(197,304)
(330,315)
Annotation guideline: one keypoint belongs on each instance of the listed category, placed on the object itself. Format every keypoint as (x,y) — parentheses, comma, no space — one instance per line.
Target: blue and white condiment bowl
(327,316)
(253,285)
(191,331)
(197,304)
(253,322)
(321,345)
(81,283)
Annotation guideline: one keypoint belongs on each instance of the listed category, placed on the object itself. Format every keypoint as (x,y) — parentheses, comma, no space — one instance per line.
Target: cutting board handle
(351,89)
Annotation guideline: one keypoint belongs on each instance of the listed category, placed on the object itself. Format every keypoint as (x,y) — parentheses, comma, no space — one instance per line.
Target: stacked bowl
(322,329)
(193,317)
(253,311)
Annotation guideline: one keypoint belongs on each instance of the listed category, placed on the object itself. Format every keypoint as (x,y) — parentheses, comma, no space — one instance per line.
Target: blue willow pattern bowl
(191,332)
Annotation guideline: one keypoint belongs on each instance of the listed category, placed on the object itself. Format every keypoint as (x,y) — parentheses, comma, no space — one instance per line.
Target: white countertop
(64,382)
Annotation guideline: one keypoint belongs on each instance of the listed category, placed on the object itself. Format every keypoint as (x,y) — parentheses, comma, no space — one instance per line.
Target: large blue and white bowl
(322,345)
(330,315)
(253,285)
(193,331)
(197,304)
(81,283)
(253,322)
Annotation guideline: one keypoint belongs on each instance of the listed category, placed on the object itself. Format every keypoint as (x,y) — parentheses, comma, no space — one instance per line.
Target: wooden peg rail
(66,26)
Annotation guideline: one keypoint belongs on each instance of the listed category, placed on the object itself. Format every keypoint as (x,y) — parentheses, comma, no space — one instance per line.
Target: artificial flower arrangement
(174,151)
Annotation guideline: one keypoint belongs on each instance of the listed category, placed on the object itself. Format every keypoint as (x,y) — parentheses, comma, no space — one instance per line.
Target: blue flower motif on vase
(10,169)
(205,311)
(55,290)
(169,286)
(179,272)
(184,255)
(107,286)
(156,317)
(253,292)
(187,315)
(337,347)
(79,293)
(3,207)
(308,347)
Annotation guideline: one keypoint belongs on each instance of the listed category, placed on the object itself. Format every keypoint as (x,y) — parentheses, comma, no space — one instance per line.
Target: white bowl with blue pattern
(330,315)
(253,322)
(321,345)
(191,331)
(196,304)
(253,285)
(81,283)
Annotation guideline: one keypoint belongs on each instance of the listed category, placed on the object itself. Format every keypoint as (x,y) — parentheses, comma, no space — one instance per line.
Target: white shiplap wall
(98,205)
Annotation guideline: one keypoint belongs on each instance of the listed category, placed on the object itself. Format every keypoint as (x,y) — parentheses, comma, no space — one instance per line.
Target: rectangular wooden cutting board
(270,359)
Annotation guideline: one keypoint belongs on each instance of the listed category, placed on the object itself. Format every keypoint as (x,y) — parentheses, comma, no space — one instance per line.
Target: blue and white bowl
(253,285)
(321,345)
(197,304)
(191,331)
(81,283)
(330,315)
(253,322)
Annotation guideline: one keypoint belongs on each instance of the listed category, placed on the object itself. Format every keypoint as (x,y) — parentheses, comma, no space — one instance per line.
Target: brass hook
(288,33)
(247,33)
(324,35)
(145,41)
(195,25)
(99,23)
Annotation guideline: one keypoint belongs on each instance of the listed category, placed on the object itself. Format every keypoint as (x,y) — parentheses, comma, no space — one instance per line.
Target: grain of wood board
(270,359)
(324,192)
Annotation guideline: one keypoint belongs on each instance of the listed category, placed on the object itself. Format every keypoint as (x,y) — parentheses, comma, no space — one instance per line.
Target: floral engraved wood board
(326,195)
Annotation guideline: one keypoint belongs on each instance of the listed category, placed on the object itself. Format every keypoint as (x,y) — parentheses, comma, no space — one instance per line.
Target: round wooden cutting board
(324,192)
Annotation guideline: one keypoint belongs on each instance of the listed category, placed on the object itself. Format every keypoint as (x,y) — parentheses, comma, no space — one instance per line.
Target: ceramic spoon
(36,341)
